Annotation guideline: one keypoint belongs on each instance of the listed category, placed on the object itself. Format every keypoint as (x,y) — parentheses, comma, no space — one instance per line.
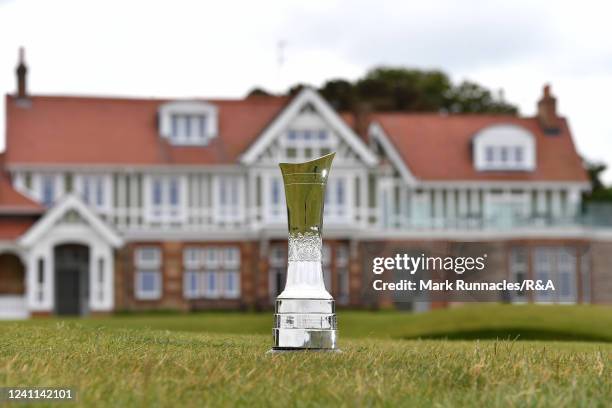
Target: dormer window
(188,127)
(188,123)
(504,147)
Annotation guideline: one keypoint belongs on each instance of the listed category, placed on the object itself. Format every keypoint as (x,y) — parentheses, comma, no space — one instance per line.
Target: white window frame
(191,111)
(166,212)
(234,210)
(38,186)
(145,265)
(217,262)
(504,137)
(519,266)
(334,211)
(99,180)
(562,261)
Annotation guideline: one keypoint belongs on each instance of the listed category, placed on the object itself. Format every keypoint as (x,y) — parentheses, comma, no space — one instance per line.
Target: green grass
(208,359)
(524,322)
(123,367)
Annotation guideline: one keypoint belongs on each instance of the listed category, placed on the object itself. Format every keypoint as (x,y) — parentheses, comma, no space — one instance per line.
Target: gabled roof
(122,131)
(438,147)
(69,203)
(12,201)
(304,97)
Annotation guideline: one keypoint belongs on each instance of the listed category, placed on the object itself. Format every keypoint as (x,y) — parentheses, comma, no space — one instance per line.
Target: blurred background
(142,142)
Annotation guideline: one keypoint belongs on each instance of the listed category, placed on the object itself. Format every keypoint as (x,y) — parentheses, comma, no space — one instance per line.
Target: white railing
(254,218)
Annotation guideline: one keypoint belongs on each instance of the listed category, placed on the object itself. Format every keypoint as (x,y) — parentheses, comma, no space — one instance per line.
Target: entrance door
(71,279)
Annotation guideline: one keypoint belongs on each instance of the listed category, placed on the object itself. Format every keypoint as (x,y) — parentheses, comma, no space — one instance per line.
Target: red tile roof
(14,227)
(12,201)
(438,147)
(90,130)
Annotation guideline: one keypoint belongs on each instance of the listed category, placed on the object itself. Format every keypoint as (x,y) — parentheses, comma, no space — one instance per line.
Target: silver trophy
(305,315)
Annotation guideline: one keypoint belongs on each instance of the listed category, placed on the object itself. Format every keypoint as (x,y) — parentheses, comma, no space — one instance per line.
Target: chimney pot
(22,72)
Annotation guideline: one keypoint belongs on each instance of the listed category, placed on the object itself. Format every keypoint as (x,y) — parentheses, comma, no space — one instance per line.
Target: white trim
(378,134)
(307,95)
(512,184)
(70,202)
(190,109)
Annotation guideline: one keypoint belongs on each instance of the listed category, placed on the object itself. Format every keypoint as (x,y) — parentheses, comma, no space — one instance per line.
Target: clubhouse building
(110,204)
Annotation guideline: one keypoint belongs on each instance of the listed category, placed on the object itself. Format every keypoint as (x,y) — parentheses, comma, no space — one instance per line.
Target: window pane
(191,284)
(275,191)
(323,135)
(202,120)
(232,284)
(148,257)
(211,257)
(157,192)
(187,120)
(234,191)
(342,257)
(147,281)
(48,190)
(503,152)
(100,192)
(489,154)
(222,191)
(148,284)
(340,192)
(518,154)
(174,192)
(174,126)
(192,257)
(231,257)
(86,188)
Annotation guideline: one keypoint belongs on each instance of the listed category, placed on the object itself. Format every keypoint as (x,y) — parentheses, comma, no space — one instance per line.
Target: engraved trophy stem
(305,316)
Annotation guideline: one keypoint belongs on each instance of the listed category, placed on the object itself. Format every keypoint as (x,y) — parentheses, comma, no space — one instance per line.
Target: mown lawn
(207,360)
(521,322)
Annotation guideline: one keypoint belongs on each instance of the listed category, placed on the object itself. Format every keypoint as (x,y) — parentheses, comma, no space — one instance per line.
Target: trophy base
(305,324)
(288,351)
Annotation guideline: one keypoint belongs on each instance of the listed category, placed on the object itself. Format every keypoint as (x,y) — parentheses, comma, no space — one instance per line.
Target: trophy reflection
(305,316)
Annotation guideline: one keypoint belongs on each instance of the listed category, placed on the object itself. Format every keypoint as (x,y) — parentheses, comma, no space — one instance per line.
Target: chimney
(22,71)
(547,112)
(361,113)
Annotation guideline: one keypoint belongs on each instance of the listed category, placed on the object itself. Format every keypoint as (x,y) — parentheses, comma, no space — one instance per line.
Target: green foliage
(409,90)
(469,97)
(599,191)
(258,92)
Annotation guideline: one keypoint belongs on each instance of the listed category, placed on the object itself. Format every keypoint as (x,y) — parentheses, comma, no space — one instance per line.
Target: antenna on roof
(281,46)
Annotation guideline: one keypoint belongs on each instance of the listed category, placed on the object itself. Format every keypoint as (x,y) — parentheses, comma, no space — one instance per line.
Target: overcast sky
(225,48)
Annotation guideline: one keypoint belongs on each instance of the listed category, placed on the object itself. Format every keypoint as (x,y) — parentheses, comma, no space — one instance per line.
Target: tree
(408,90)
(469,97)
(258,92)
(599,191)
